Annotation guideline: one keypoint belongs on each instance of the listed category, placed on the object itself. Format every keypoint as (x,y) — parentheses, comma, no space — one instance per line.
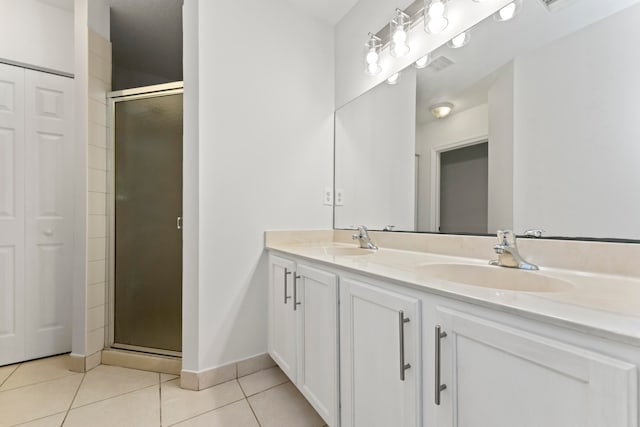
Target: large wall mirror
(544,131)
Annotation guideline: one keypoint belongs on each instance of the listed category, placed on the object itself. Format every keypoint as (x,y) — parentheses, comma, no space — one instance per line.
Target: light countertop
(598,304)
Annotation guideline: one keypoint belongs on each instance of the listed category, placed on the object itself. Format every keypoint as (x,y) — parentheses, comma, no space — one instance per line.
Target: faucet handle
(506,238)
(537,232)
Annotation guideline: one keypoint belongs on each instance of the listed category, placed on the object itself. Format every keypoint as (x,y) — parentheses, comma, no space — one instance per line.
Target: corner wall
(258,154)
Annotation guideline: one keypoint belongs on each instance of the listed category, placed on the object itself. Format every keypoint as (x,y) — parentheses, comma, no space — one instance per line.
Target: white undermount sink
(494,277)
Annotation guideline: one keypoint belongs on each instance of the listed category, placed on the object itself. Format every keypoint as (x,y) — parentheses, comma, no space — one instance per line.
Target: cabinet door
(282,317)
(317,295)
(12,161)
(380,360)
(498,376)
(49,233)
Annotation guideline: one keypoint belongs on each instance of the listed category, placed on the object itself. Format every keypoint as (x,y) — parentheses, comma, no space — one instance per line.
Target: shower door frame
(154,91)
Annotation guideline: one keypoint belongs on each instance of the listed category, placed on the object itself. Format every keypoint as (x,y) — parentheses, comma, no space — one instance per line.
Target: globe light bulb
(437,25)
(393,79)
(372,57)
(400,36)
(422,62)
(373,69)
(460,40)
(436,9)
(507,12)
(401,49)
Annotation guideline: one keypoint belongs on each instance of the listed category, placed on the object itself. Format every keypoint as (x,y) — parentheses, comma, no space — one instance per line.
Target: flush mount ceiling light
(441,110)
(435,20)
(372,55)
(509,11)
(399,33)
(460,40)
(422,62)
(393,79)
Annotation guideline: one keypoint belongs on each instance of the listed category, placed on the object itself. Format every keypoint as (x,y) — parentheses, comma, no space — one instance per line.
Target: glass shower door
(148,237)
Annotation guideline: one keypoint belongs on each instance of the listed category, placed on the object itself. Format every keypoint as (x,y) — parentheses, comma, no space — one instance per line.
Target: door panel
(318,340)
(12,160)
(49,145)
(498,376)
(148,241)
(282,318)
(373,393)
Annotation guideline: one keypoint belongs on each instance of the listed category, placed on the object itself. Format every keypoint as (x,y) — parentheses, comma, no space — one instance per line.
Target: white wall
(258,153)
(370,16)
(375,148)
(466,126)
(501,140)
(576,132)
(36,34)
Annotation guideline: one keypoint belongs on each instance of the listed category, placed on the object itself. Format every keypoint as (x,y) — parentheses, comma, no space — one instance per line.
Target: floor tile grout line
(254,412)
(269,388)
(117,395)
(73,400)
(160,395)
(206,412)
(12,372)
(70,374)
(39,418)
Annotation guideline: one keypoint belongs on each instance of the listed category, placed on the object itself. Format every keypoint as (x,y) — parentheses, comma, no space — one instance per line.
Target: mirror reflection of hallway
(464,189)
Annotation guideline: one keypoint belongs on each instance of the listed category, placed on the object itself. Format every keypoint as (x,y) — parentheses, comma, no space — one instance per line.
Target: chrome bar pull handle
(439,387)
(401,321)
(179,223)
(286,273)
(295,292)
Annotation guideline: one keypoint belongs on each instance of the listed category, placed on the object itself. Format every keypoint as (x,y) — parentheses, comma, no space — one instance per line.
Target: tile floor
(44,393)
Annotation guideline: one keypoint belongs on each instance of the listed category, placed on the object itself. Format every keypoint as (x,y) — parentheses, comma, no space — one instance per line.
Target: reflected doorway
(463,190)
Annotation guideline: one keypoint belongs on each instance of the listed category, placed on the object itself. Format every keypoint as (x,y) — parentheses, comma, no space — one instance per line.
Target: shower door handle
(179,223)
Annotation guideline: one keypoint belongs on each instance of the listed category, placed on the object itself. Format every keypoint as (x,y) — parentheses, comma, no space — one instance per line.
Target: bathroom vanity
(399,337)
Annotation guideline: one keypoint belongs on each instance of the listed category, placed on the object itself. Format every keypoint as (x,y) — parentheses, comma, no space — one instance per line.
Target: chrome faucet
(363,236)
(508,255)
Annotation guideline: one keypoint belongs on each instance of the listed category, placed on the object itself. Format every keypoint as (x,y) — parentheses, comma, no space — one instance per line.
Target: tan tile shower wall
(99,85)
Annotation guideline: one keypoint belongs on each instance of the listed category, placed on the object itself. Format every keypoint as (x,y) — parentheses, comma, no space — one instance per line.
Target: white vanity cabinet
(303,331)
(497,375)
(380,356)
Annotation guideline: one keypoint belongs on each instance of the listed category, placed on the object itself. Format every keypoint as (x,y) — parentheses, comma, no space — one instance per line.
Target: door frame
(154,91)
(436,152)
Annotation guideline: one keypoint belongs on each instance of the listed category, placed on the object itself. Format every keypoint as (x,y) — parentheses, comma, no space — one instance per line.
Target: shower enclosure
(145,267)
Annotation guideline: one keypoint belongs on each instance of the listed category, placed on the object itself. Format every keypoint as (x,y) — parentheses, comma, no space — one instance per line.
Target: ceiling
(147,34)
(329,11)
(494,44)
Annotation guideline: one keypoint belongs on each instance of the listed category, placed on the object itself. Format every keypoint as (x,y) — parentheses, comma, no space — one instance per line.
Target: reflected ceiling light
(372,55)
(441,110)
(435,20)
(460,40)
(422,62)
(393,79)
(399,28)
(508,12)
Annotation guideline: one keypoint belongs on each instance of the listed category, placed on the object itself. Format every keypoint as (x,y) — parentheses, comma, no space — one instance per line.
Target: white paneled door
(12,175)
(35,210)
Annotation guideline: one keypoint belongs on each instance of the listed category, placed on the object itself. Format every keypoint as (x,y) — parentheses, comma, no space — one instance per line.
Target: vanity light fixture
(373,46)
(441,110)
(509,11)
(393,79)
(460,40)
(422,62)
(399,33)
(435,20)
